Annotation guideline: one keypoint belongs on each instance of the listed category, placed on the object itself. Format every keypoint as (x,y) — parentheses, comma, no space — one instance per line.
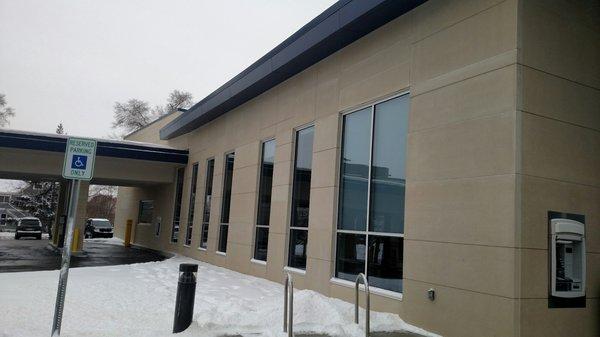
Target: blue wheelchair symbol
(79,162)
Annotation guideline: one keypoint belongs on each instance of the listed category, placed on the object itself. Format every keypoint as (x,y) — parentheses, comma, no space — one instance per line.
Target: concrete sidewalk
(34,255)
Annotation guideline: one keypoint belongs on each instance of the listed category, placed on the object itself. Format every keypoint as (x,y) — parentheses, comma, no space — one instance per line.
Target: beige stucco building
(482,118)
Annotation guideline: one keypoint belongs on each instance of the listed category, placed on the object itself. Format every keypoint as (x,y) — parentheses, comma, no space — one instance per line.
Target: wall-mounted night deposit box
(567,249)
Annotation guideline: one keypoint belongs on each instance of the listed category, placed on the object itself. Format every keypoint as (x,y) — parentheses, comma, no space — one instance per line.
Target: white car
(29,226)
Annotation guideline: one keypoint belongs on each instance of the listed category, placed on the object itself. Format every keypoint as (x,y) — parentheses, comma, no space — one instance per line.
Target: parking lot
(34,255)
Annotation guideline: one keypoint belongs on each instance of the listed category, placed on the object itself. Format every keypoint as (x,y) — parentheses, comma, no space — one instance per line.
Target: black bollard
(186,293)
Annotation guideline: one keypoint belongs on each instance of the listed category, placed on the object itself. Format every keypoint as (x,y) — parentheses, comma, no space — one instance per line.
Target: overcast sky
(69,61)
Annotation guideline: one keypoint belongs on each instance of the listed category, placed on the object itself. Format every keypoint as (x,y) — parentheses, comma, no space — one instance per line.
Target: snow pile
(11,236)
(11,186)
(110,241)
(7,235)
(138,300)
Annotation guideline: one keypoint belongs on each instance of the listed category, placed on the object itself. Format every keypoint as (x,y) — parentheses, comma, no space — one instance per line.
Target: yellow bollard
(55,234)
(128,233)
(75,243)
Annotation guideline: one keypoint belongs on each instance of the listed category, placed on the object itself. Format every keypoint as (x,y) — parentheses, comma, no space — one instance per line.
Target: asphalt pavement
(33,255)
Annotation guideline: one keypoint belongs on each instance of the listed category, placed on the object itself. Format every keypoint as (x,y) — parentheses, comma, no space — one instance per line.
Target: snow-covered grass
(138,300)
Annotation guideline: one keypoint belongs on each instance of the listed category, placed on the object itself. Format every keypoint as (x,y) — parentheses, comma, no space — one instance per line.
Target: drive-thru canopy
(39,156)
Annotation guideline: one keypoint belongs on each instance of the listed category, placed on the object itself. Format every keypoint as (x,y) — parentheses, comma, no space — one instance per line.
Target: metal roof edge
(341,24)
(107,148)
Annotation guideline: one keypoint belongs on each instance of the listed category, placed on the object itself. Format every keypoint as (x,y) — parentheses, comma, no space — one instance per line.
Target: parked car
(98,228)
(28,226)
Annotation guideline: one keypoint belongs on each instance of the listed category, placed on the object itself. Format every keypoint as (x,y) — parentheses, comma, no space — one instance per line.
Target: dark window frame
(176,224)
(261,227)
(368,232)
(225,203)
(292,228)
(192,201)
(207,202)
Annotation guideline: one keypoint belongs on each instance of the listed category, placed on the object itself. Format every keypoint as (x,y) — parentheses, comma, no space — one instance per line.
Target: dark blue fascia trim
(338,26)
(106,149)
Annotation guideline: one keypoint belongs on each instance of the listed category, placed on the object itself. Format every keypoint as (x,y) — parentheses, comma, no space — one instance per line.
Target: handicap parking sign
(80,155)
(79,162)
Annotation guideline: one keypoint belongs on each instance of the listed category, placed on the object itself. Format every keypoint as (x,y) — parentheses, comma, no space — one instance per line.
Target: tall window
(190,222)
(370,231)
(177,209)
(301,198)
(225,206)
(264,201)
(210,168)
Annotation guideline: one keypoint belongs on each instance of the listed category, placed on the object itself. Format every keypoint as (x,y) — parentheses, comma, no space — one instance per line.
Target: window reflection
(229,158)
(190,225)
(262,242)
(301,198)
(351,252)
(388,166)
(373,173)
(177,210)
(354,182)
(226,205)
(223,231)
(266,182)
(385,262)
(264,200)
(146,211)
(210,167)
(302,175)
(297,251)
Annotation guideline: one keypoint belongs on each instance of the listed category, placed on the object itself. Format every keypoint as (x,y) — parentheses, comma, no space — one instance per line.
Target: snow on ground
(138,300)
(111,241)
(11,186)
(11,236)
(7,235)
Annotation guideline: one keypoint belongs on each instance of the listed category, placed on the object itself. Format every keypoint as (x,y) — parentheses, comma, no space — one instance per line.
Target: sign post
(80,156)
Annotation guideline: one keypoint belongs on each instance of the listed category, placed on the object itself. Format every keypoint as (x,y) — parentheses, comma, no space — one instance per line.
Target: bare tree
(60,129)
(177,100)
(5,111)
(135,114)
(132,115)
(102,189)
(102,202)
(102,206)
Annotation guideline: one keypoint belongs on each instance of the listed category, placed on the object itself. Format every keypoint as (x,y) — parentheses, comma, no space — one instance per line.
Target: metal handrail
(367,302)
(288,299)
